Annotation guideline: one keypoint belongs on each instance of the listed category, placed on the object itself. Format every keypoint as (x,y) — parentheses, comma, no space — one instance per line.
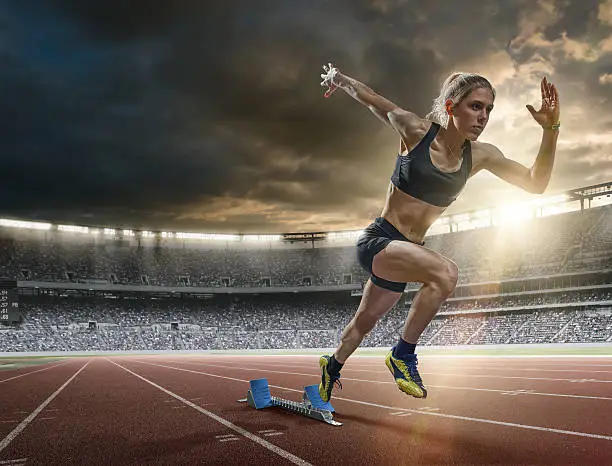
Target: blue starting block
(259,394)
(312,406)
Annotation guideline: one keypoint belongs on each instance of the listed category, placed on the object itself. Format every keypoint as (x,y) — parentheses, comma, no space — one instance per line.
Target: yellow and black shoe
(406,374)
(327,380)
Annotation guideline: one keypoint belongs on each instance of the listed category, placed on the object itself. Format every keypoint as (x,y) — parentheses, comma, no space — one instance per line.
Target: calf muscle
(375,303)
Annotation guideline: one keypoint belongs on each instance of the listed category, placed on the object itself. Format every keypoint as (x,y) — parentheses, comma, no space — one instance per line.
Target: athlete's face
(472,114)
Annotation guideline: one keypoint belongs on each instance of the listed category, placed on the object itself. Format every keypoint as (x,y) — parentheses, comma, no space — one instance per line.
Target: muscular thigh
(377,301)
(402,261)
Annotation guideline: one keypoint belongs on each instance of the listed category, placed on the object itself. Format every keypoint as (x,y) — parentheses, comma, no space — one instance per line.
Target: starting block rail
(312,406)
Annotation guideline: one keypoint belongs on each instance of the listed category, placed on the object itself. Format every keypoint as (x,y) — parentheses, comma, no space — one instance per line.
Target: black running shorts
(374,239)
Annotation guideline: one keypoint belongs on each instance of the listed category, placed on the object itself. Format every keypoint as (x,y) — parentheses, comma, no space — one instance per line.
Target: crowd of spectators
(528,299)
(83,324)
(517,313)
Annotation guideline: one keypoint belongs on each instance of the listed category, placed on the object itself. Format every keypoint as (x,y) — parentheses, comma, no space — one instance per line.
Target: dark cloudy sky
(208,115)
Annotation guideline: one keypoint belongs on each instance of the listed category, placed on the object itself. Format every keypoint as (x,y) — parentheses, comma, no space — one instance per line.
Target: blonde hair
(457,87)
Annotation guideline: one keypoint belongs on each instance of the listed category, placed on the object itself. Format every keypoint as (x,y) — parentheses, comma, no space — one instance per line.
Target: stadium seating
(572,243)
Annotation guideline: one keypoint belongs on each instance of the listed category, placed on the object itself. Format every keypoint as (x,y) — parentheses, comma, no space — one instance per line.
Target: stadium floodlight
(554,209)
(73,229)
(261,238)
(167,234)
(147,234)
(109,231)
(207,236)
(343,235)
(539,207)
(6,222)
(128,233)
(95,231)
(512,213)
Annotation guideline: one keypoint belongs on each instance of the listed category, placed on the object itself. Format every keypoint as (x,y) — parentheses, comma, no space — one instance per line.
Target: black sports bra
(416,175)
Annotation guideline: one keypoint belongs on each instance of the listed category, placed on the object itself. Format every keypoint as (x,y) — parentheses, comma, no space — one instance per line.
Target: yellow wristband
(555,126)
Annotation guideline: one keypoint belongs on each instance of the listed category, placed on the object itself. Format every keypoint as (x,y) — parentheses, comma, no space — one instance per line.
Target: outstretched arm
(383,108)
(535,179)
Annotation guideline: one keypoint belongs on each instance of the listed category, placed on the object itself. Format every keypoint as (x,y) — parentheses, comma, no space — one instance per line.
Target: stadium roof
(477,218)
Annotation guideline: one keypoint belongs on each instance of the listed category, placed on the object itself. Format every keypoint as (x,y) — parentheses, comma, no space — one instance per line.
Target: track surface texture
(183,409)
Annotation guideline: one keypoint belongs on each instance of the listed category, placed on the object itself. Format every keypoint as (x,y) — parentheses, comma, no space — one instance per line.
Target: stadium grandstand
(536,272)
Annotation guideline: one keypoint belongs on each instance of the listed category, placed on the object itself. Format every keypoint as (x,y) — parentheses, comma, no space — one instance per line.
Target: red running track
(177,409)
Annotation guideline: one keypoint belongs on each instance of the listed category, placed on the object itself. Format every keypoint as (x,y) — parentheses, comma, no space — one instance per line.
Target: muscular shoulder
(410,126)
(483,154)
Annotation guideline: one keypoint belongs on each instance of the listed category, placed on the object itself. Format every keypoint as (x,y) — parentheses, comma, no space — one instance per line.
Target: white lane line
(23,424)
(545,357)
(19,461)
(378,368)
(515,377)
(414,411)
(446,386)
(375,360)
(576,365)
(520,356)
(582,371)
(371,361)
(485,421)
(384,371)
(273,448)
(520,391)
(517,392)
(33,372)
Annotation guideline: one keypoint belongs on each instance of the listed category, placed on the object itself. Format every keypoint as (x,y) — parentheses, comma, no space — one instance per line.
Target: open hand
(328,79)
(549,113)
